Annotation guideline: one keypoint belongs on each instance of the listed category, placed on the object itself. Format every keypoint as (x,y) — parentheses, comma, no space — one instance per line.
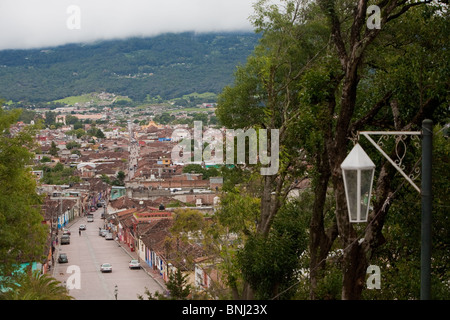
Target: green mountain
(169,66)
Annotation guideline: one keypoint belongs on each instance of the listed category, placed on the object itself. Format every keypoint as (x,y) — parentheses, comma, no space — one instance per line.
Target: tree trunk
(269,206)
(319,241)
(354,259)
(355,266)
(247,292)
(337,153)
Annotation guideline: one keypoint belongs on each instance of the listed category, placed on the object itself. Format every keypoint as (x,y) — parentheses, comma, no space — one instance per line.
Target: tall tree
(320,75)
(178,286)
(53,149)
(22,234)
(353,44)
(265,95)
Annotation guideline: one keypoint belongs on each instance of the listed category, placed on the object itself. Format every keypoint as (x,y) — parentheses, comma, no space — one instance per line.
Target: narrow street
(86,252)
(133,149)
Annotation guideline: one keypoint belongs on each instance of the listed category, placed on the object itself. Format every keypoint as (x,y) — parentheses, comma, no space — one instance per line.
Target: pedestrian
(79,232)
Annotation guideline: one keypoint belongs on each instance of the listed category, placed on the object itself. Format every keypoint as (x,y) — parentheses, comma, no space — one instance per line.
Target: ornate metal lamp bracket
(400,149)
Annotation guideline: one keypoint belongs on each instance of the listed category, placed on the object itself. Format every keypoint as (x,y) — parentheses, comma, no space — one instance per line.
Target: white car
(109,236)
(134,264)
(82,227)
(106,267)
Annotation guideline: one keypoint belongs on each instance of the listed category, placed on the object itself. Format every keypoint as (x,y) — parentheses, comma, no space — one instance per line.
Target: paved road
(133,148)
(86,253)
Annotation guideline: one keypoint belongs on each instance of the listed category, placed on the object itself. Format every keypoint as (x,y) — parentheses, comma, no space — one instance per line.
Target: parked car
(109,236)
(66,231)
(82,227)
(93,208)
(134,264)
(102,232)
(65,239)
(106,267)
(63,258)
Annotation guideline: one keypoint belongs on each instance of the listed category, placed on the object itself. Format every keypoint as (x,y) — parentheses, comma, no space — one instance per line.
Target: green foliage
(53,149)
(46,159)
(59,174)
(77,132)
(239,212)
(168,66)
(188,224)
(156,296)
(22,234)
(295,81)
(399,258)
(28,115)
(118,181)
(50,118)
(187,220)
(177,285)
(164,118)
(71,120)
(270,264)
(36,286)
(409,59)
(206,172)
(72,144)
(95,132)
(105,178)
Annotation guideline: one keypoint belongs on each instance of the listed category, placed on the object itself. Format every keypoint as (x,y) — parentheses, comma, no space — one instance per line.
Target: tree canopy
(320,75)
(22,234)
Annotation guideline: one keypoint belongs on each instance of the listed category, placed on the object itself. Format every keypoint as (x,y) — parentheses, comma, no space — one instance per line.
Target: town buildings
(131,174)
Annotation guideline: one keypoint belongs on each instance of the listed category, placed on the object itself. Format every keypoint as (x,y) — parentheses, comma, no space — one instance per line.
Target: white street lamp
(358,171)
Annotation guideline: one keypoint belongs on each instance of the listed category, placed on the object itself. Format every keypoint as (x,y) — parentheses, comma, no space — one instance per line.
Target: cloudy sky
(43,23)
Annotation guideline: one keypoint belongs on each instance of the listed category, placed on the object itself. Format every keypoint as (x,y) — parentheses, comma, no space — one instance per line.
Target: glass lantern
(358,171)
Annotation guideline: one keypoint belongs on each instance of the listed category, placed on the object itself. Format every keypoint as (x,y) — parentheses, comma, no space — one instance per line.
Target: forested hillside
(168,65)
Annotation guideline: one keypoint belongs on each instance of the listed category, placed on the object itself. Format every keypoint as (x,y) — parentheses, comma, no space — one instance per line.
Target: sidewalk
(144,266)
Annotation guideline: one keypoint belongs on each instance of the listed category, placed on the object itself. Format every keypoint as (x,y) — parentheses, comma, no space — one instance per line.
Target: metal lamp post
(356,174)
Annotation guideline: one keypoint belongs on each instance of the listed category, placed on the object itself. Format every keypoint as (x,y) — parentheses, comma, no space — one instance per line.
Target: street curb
(144,269)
